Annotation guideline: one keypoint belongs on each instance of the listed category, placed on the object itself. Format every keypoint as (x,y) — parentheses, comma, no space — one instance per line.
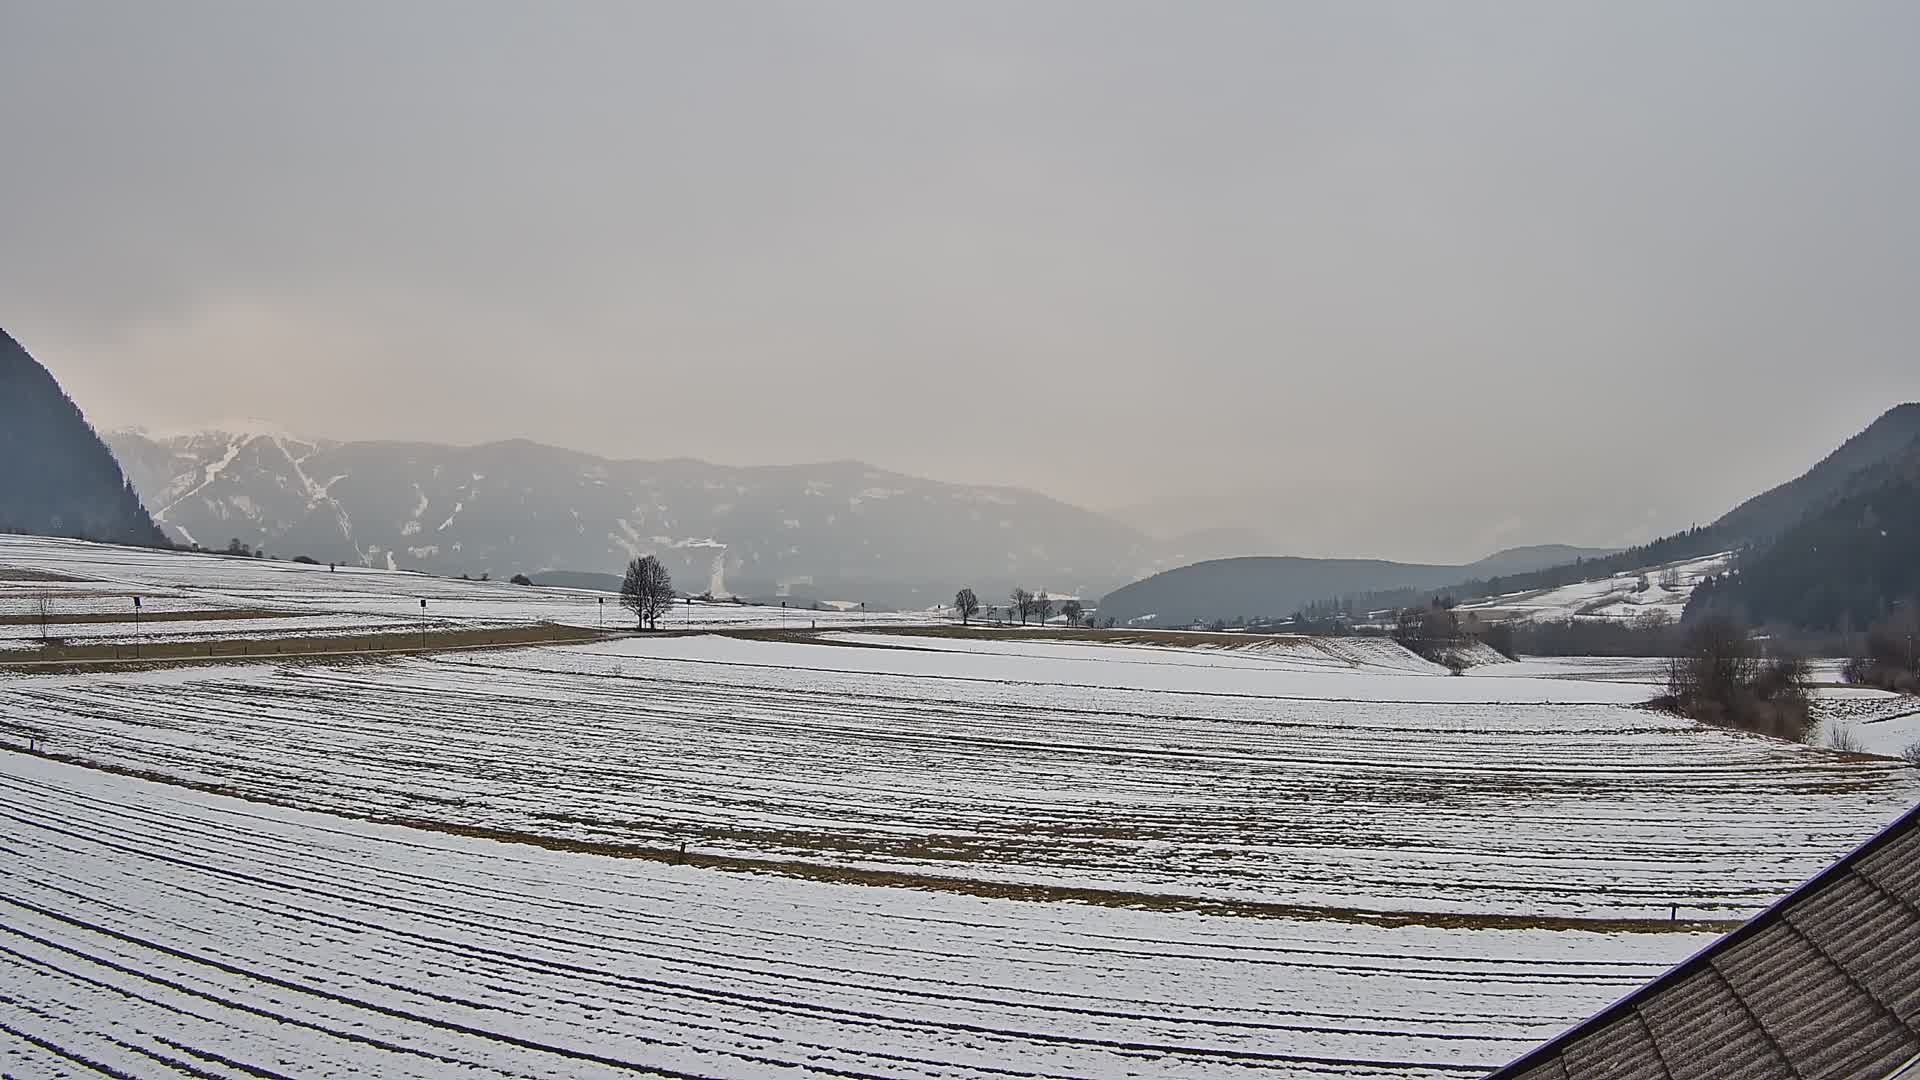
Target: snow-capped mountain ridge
(517,506)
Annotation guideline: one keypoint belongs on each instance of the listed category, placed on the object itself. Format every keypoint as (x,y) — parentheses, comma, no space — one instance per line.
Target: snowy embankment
(1200,778)
(148,930)
(29,636)
(106,578)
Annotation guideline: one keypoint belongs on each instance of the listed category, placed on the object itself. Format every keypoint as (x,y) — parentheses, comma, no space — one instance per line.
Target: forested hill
(1274,586)
(1694,542)
(1769,514)
(57,478)
(1840,568)
(1861,481)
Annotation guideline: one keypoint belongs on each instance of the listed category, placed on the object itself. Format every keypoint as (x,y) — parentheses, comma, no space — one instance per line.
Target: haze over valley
(861,541)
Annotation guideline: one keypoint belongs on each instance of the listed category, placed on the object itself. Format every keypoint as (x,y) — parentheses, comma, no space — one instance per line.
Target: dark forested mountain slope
(56,477)
(1773,512)
(1843,566)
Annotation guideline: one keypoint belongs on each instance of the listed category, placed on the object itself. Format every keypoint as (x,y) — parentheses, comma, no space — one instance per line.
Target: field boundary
(90,618)
(829,873)
(75,659)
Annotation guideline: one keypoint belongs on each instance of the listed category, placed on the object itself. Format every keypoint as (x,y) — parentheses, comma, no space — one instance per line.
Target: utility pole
(423,624)
(603,614)
(136,627)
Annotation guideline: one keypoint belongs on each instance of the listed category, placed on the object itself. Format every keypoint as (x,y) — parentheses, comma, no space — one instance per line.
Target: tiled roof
(1825,985)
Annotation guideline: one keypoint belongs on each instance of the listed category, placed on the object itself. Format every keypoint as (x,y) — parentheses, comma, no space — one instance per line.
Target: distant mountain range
(836,530)
(830,531)
(56,477)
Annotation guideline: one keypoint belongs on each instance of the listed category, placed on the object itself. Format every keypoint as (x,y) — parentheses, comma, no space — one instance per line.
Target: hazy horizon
(1396,281)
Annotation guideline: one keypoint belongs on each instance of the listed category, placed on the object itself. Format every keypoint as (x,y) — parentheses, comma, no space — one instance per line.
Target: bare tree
(1072,609)
(1717,659)
(1042,607)
(1430,630)
(647,591)
(43,604)
(966,604)
(1020,602)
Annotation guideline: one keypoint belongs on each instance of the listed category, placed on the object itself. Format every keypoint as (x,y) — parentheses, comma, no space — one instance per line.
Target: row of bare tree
(1021,604)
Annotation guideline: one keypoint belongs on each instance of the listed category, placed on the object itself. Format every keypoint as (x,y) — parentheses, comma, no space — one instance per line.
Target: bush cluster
(1719,678)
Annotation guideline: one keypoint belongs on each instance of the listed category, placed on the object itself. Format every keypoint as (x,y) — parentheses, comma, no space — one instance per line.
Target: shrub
(1718,678)
(1843,739)
(1428,631)
(521,579)
(1885,657)
(1911,755)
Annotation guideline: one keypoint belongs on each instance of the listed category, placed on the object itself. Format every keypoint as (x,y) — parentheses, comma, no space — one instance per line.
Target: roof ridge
(1845,866)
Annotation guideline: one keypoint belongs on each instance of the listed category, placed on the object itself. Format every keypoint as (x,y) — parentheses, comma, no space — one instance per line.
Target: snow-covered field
(908,854)
(19,636)
(1206,776)
(1617,598)
(1877,721)
(110,576)
(155,930)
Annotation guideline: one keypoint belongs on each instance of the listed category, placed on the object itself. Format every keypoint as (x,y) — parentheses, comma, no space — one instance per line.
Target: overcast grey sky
(1570,272)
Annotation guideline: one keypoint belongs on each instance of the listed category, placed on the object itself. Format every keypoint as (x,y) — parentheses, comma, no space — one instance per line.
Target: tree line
(1022,605)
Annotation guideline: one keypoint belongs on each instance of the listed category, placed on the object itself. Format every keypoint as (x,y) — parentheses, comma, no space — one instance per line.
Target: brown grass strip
(56,618)
(77,658)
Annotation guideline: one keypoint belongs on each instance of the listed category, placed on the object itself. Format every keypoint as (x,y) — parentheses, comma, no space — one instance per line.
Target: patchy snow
(208,475)
(1615,598)
(1876,721)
